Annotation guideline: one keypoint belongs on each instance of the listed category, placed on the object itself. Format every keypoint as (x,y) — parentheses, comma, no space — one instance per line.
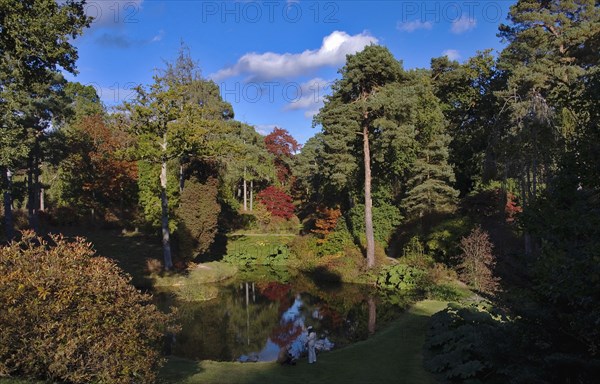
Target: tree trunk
(164,202)
(245,192)
(251,197)
(42,200)
(32,189)
(8,213)
(368,201)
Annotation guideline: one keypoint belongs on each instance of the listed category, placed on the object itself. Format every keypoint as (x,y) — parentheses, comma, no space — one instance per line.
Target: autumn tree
(478,262)
(282,146)
(94,178)
(277,202)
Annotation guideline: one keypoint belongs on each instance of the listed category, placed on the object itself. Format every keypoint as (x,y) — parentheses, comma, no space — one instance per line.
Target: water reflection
(254,321)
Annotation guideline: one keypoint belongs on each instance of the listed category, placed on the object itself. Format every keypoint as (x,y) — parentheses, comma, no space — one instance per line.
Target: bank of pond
(260,312)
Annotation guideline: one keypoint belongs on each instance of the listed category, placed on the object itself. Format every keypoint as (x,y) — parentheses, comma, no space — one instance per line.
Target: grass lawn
(393,355)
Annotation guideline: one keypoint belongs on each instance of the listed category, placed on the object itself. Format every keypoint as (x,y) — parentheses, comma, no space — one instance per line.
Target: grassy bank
(390,356)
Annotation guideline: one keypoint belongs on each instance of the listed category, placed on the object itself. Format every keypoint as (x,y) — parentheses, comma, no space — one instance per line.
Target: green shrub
(386,218)
(402,277)
(336,241)
(69,316)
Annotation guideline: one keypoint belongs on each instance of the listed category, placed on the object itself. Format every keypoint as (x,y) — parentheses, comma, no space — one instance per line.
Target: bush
(73,317)
(386,218)
(402,277)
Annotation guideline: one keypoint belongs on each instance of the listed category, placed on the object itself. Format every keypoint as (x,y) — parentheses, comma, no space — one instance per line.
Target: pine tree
(430,186)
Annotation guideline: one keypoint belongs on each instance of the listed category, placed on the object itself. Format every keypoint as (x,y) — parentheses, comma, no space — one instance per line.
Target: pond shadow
(324,278)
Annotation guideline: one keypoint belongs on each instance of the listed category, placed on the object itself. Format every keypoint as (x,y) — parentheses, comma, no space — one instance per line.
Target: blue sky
(273,60)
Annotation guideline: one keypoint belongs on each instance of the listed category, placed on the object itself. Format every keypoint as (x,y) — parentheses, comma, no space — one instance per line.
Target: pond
(254,320)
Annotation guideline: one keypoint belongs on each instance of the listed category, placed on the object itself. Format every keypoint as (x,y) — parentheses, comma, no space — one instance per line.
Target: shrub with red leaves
(277,202)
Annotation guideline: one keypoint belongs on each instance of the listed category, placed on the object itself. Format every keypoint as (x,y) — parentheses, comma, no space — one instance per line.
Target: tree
(277,202)
(549,63)
(35,40)
(178,117)
(308,172)
(430,185)
(366,103)
(470,106)
(93,177)
(167,123)
(477,261)
(282,146)
(246,158)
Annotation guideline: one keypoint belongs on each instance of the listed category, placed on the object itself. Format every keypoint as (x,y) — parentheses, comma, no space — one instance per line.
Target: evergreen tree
(430,185)
(362,108)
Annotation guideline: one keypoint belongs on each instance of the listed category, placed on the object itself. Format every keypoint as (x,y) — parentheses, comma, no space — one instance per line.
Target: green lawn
(393,355)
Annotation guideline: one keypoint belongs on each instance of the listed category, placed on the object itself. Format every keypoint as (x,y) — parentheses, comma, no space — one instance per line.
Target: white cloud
(158,37)
(270,65)
(411,26)
(265,129)
(308,96)
(463,24)
(452,54)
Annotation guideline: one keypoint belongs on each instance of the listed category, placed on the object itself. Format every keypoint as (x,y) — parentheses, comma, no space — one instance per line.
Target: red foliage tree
(277,202)
(283,146)
(280,143)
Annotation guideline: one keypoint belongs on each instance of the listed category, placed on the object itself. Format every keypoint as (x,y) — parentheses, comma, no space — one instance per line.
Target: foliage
(337,241)
(149,194)
(478,262)
(74,317)
(443,240)
(386,217)
(246,250)
(326,221)
(93,179)
(198,212)
(464,344)
(402,277)
(277,202)
(282,146)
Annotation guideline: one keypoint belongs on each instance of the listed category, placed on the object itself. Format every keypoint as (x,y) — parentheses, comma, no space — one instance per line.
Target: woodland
(474,183)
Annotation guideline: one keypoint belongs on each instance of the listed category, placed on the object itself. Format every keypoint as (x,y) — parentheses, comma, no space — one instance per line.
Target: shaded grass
(130,251)
(393,355)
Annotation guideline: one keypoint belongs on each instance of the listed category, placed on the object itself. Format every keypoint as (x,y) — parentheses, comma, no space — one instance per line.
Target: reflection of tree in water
(220,330)
(287,331)
(253,319)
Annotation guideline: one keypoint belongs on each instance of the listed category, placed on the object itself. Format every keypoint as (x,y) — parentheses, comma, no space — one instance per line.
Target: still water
(254,320)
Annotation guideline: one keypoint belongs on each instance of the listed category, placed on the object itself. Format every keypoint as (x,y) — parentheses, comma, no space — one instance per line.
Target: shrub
(386,218)
(69,316)
(402,277)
